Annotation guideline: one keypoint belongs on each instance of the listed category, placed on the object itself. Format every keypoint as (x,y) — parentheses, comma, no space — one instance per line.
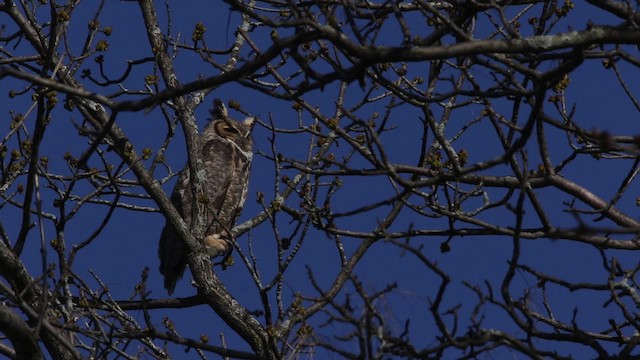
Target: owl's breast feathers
(227,172)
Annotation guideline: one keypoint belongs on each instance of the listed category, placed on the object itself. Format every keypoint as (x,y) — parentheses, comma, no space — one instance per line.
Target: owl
(226,150)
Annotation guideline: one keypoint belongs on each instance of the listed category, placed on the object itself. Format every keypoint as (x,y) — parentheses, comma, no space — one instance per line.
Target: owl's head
(237,132)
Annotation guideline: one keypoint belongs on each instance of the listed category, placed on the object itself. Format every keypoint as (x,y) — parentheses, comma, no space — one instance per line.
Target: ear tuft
(250,121)
(219,110)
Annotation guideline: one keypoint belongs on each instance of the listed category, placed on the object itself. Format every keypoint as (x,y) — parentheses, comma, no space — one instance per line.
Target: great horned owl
(227,153)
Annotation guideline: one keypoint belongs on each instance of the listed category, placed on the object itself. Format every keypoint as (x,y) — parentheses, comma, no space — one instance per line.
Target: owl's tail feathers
(170,281)
(173,257)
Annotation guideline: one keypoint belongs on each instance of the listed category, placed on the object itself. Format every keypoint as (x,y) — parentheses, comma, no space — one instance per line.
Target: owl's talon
(216,245)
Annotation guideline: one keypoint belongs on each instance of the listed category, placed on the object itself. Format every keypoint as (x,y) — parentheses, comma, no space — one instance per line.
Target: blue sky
(128,244)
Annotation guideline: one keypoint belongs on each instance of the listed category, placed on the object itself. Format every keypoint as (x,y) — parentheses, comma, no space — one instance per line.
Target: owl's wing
(172,250)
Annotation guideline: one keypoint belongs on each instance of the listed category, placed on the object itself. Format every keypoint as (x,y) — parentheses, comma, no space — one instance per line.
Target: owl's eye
(225,129)
(230,129)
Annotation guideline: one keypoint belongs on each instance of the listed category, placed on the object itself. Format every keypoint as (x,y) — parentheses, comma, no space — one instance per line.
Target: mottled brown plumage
(227,153)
